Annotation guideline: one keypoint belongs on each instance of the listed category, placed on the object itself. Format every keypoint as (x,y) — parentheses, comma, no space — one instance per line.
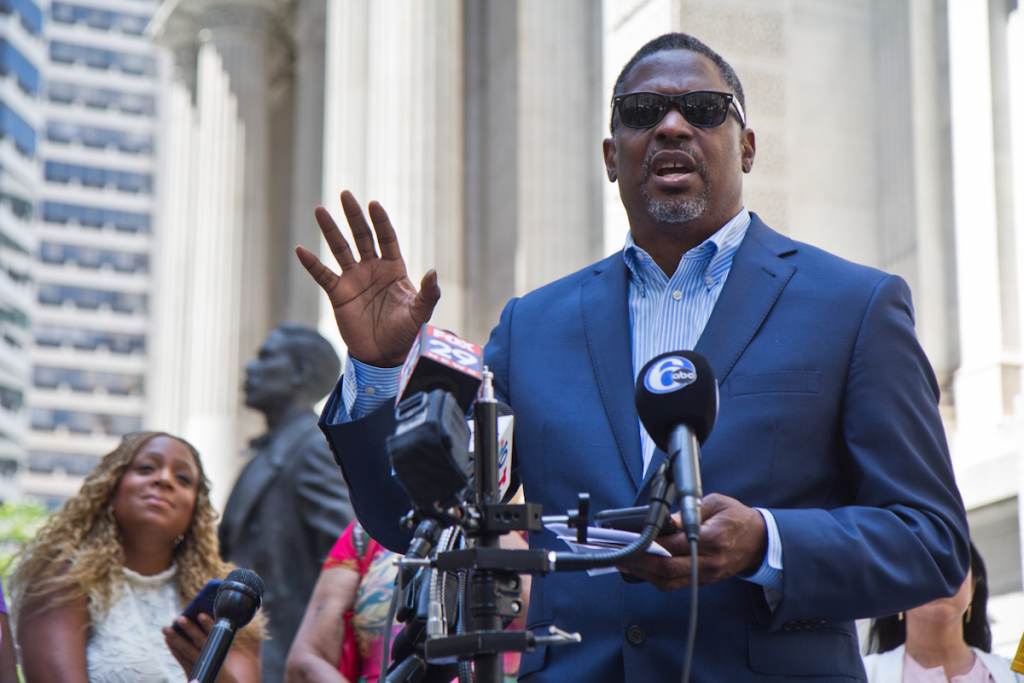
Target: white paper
(600,538)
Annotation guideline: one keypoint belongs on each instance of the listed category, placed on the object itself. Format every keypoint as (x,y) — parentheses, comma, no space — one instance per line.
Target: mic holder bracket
(496,559)
(468,645)
(579,518)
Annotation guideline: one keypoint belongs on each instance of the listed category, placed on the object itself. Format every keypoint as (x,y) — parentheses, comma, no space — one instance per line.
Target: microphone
(238,599)
(439,359)
(677,401)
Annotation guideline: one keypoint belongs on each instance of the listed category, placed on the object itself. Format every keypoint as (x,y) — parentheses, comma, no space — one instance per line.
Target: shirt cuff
(364,388)
(769,574)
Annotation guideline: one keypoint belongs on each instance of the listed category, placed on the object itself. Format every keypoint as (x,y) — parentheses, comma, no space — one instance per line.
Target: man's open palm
(376,306)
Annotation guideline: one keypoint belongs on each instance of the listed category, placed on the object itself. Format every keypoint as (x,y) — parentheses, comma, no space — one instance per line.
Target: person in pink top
(945,640)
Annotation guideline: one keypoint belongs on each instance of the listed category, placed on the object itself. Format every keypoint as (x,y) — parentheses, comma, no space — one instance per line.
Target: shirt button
(369,391)
(635,635)
(677,295)
(709,281)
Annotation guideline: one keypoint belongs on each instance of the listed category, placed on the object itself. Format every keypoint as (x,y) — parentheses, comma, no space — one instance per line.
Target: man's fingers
(339,247)
(357,222)
(426,298)
(713,503)
(323,275)
(386,237)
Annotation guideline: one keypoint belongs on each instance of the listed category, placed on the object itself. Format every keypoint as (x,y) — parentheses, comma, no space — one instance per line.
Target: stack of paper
(599,538)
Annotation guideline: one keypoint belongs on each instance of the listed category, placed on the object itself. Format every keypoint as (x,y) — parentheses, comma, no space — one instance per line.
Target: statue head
(295,364)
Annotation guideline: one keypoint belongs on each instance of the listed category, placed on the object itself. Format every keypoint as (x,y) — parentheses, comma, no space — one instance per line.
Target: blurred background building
(92,234)
(889,131)
(22,55)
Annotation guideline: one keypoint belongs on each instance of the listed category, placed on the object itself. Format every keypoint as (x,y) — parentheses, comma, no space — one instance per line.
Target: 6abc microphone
(449,485)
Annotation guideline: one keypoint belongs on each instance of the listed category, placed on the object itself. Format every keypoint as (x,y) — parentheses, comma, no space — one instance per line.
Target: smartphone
(630,519)
(203,602)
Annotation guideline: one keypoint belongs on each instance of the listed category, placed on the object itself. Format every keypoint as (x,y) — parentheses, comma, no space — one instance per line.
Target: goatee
(677,210)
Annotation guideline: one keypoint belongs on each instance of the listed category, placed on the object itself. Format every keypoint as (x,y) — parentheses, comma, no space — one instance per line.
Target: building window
(78,422)
(92,258)
(29,12)
(102,59)
(13,62)
(87,381)
(91,176)
(88,216)
(89,299)
(104,20)
(17,129)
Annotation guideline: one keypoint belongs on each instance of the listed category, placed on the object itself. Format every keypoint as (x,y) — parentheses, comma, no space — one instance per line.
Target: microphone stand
(494,585)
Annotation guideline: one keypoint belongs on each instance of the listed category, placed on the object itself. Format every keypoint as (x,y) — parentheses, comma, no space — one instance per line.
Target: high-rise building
(92,230)
(22,52)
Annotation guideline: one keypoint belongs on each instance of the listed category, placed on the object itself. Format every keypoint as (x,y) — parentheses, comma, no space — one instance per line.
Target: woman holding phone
(100,587)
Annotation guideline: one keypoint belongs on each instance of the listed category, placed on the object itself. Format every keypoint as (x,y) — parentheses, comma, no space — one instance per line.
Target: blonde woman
(98,589)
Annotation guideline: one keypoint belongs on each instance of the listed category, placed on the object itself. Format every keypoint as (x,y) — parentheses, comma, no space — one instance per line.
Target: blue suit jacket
(828,418)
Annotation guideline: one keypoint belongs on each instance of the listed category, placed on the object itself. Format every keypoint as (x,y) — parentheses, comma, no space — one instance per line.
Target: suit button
(635,635)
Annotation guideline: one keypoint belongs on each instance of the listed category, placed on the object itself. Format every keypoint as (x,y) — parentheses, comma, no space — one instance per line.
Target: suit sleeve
(903,539)
(323,497)
(358,446)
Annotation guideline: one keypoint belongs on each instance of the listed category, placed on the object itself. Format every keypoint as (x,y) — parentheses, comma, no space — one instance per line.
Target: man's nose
(673,126)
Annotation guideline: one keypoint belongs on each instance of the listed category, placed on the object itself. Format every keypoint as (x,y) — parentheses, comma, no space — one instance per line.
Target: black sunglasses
(702,108)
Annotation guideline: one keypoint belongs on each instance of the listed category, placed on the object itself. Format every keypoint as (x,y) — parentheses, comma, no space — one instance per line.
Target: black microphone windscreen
(249,578)
(677,388)
(238,598)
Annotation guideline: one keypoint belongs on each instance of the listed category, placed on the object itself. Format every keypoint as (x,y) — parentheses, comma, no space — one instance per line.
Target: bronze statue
(290,502)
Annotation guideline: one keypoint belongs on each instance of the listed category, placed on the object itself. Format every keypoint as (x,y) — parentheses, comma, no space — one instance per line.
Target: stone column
(393,130)
(561,123)
(1015,61)
(978,383)
(217,310)
(175,238)
(915,229)
(491,171)
(310,37)
(218,228)
(534,129)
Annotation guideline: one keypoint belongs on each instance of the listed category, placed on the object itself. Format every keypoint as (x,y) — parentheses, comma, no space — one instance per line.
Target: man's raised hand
(377,308)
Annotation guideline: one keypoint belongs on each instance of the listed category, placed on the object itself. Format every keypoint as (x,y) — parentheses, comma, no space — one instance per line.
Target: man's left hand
(732,540)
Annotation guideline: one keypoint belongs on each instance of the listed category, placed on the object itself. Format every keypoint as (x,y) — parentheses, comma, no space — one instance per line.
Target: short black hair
(309,348)
(679,41)
(888,633)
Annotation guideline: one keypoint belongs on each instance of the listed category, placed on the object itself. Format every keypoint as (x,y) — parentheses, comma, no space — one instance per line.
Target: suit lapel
(605,309)
(756,280)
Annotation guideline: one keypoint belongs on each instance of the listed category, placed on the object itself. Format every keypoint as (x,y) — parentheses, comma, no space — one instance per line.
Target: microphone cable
(691,633)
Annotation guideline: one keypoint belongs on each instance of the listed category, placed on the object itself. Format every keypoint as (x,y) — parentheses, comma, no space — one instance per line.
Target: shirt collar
(719,247)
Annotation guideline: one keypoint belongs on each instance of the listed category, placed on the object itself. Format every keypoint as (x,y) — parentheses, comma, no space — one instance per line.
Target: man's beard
(682,210)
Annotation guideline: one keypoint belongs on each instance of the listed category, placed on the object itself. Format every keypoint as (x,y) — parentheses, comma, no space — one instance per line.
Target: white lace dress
(125,644)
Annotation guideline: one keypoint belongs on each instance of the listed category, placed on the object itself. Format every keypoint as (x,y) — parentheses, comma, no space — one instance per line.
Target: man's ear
(748,148)
(610,162)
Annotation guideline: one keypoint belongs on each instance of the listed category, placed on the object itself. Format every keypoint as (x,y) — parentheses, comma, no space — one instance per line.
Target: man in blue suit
(832,495)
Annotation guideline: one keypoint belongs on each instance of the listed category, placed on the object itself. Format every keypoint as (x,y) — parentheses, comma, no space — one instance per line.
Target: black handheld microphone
(677,401)
(238,598)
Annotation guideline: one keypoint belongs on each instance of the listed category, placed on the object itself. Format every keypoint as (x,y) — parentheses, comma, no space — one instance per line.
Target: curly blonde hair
(78,553)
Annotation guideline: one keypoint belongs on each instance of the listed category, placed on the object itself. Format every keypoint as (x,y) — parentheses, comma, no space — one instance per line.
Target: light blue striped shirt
(670,314)
(665,314)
